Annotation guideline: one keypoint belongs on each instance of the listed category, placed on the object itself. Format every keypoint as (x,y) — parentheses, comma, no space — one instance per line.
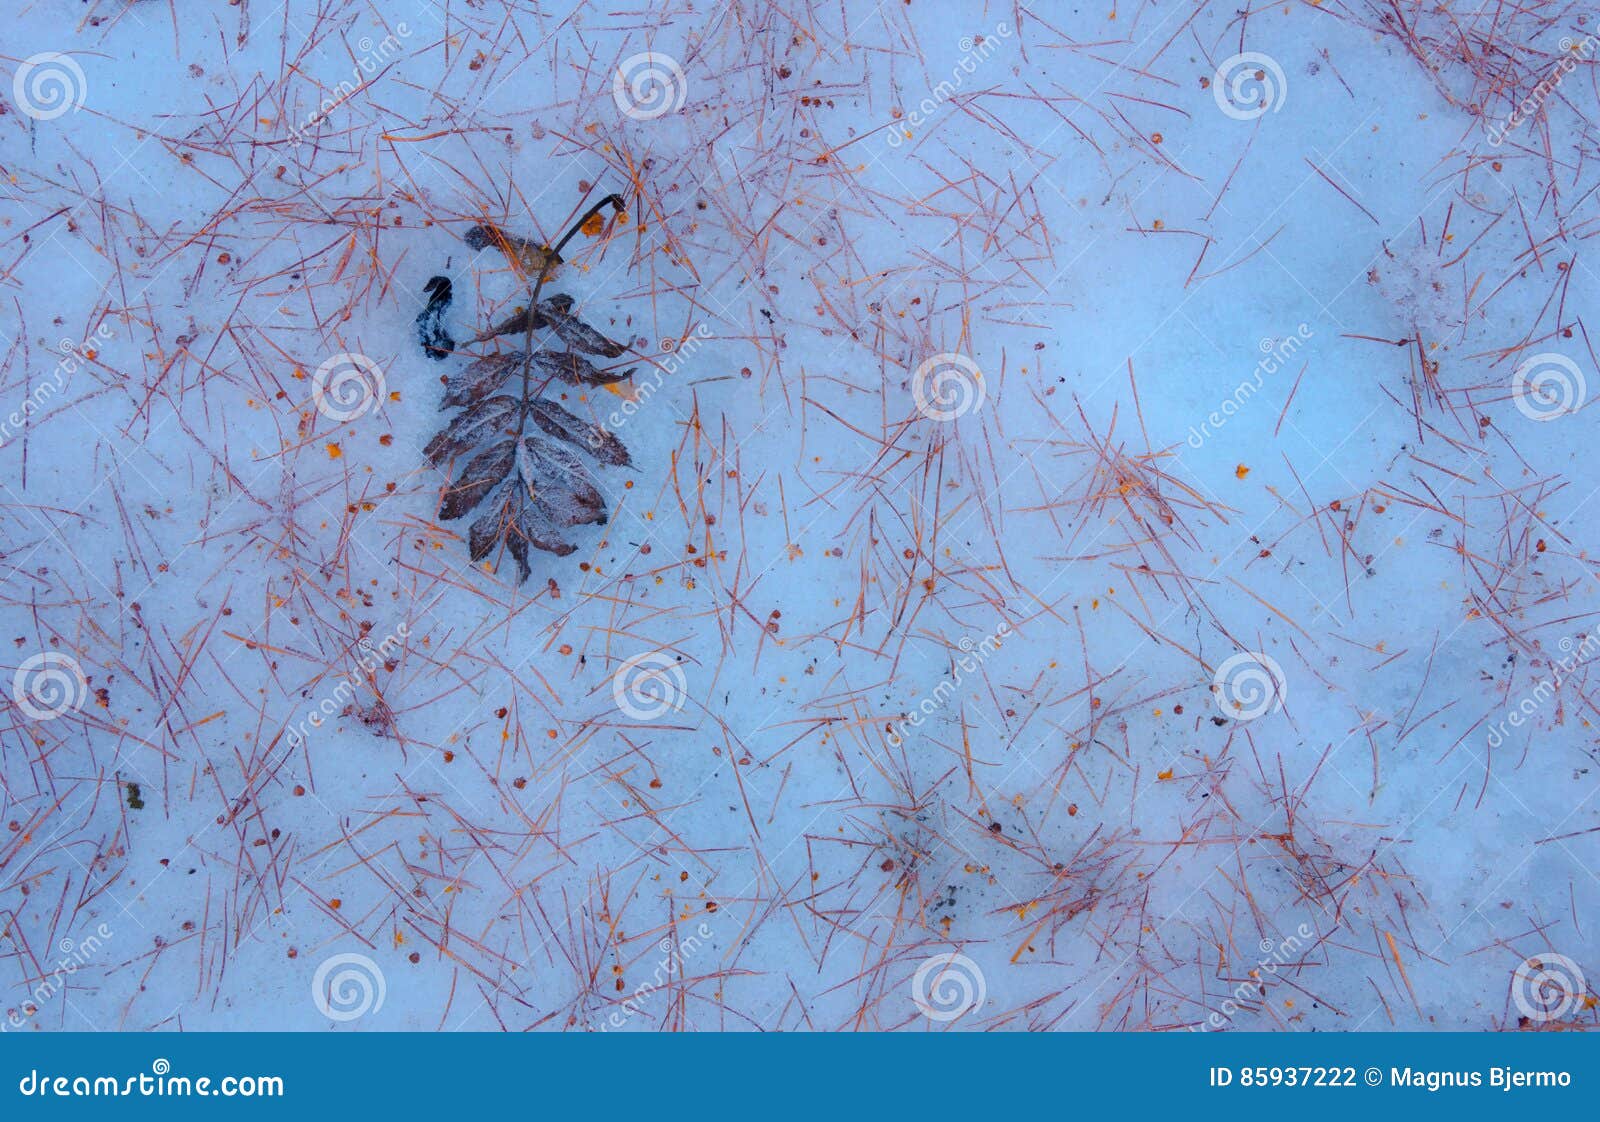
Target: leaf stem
(550,259)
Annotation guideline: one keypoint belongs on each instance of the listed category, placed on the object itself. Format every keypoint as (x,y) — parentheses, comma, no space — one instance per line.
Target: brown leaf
(480,423)
(516,520)
(482,472)
(525,256)
(576,369)
(479,379)
(557,315)
(559,484)
(562,425)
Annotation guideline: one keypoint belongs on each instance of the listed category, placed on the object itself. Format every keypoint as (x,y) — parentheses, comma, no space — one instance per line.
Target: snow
(1158,675)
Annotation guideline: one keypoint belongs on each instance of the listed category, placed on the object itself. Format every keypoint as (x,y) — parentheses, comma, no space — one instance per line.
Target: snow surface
(1060,585)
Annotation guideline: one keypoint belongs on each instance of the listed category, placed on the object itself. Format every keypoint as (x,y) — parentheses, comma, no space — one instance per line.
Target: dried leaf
(577,370)
(524,255)
(557,315)
(559,483)
(550,489)
(480,379)
(482,422)
(559,423)
(482,472)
